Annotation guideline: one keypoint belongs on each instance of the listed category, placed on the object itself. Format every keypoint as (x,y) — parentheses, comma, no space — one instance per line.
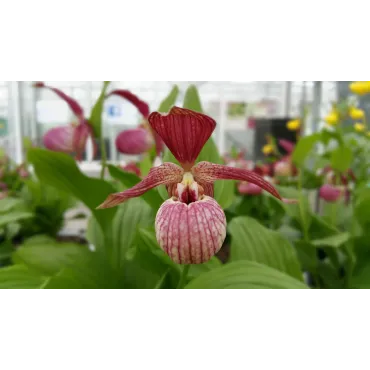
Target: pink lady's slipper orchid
(191,225)
(331,193)
(134,142)
(69,139)
(140,140)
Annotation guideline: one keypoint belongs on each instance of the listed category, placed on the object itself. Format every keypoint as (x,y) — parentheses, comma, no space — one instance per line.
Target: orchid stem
(183,277)
(103,156)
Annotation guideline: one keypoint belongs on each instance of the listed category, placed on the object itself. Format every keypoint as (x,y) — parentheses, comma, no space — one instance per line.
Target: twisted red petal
(142,107)
(206,172)
(184,132)
(72,103)
(167,174)
(81,134)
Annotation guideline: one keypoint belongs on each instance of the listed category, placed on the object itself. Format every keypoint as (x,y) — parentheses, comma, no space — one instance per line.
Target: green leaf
(60,171)
(307,256)
(301,212)
(303,148)
(224,190)
(319,228)
(253,242)
(9,203)
(362,208)
(245,275)
(341,159)
(151,255)
(19,277)
(6,250)
(14,216)
(145,165)
(129,180)
(49,259)
(94,233)
(93,272)
(131,216)
(334,241)
(148,264)
(196,270)
(38,240)
(192,99)
(169,101)
(96,113)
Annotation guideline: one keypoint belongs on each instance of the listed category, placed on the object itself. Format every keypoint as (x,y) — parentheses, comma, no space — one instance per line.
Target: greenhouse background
(27,112)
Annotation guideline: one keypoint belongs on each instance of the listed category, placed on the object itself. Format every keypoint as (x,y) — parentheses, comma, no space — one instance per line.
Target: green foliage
(97,111)
(245,275)
(60,171)
(253,242)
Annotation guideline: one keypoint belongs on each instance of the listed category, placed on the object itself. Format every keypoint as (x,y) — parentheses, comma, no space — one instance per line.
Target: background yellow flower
(360,87)
(294,125)
(356,113)
(267,149)
(360,127)
(332,118)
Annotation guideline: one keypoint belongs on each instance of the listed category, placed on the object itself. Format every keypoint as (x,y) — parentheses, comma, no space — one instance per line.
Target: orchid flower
(72,138)
(190,225)
(331,193)
(140,140)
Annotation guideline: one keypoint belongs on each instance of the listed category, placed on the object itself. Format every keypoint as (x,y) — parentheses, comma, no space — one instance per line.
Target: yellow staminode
(360,127)
(356,113)
(294,125)
(187,179)
(332,118)
(360,87)
(267,149)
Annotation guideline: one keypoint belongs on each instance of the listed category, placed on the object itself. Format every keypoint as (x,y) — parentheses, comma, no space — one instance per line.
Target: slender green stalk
(103,156)
(183,277)
(301,209)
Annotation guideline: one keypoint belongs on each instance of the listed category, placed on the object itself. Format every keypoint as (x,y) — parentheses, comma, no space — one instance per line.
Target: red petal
(208,189)
(142,107)
(81,134)
(206,172)
(167,173)
(73,105)
(184,132)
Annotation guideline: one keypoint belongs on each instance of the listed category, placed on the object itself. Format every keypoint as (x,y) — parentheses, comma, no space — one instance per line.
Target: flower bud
(191,233)
(330,193)
(133,142)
